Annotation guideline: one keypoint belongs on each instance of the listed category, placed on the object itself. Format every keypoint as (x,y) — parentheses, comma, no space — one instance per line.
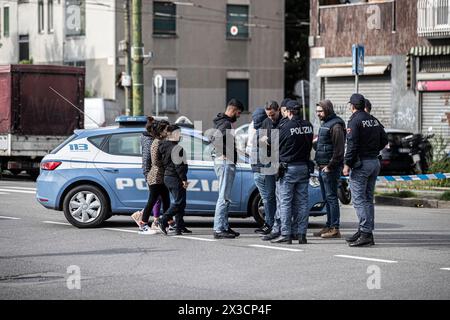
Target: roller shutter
(436,113)
(375,88)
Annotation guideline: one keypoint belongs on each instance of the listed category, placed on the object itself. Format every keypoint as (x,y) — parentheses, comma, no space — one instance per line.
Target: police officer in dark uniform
(365,139)
(296,137)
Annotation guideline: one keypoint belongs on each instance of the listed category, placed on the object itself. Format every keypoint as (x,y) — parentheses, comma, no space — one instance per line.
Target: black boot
(302,239)
(282,239)
(354,237)
(365,239)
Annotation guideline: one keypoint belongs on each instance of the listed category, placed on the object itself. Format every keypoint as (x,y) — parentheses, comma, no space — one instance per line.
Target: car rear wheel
(257,209)
(86,206)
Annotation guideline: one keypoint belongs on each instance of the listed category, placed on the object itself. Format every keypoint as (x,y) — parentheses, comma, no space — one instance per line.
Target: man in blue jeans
(330,159)
(225,166)
(365,139)
(264,169)
(296,137)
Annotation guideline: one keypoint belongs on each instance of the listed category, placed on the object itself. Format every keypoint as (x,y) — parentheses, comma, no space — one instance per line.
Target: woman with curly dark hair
(155,175)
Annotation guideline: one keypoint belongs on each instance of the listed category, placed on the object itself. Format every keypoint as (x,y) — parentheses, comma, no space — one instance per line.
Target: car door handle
(110,170)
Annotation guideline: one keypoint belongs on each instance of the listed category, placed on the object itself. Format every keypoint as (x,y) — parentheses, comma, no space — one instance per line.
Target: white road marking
(18,191)
(10,218)
(195,238)
(447,269)
(363,258)
(121,230)
(19,188)
(276,248)
(54,222)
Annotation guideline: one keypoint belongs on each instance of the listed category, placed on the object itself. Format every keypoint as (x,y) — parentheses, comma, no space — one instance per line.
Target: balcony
(433,18)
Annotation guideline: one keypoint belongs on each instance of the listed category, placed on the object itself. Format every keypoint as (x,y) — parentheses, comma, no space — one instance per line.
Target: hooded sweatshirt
(223,123)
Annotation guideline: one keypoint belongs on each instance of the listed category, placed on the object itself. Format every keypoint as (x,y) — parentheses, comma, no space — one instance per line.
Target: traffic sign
(158,81)
(234,30)
(357,59)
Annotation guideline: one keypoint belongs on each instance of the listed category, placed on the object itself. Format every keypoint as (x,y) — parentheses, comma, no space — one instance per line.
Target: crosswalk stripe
(54,222)
(18,191)
(364,258)
(19,188)
(275,248)
(10,218)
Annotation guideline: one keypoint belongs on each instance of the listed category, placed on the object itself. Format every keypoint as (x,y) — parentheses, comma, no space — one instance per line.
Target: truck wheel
(257,209)
(85,206)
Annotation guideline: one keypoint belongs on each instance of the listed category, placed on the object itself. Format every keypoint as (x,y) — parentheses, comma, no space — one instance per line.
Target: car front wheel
(85,206)
(257,208)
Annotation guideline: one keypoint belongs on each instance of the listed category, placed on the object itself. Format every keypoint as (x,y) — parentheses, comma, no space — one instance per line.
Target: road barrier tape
(418,177)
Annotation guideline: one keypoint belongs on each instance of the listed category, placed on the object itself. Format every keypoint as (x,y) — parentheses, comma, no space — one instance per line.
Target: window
(196,148)
(97,141)
(127,144)
(164,18)
(6,21)
(50,16)
(167,96)
(41,16)
(24,48)
(79,63)
(237,21)
(75,18)
(238,89)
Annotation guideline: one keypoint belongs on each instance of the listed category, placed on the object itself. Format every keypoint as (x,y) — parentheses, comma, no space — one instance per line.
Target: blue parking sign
(357,59)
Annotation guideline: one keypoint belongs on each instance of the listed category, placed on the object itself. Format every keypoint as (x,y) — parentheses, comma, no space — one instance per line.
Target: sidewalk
(424,198)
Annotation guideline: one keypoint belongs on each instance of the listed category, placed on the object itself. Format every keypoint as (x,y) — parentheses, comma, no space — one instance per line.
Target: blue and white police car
(97,173)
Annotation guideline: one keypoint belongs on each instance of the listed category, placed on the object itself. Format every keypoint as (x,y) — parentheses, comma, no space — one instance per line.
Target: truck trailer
(40,106)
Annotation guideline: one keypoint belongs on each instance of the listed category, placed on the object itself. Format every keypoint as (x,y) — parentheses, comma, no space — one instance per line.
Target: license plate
(416,158)
(404,150)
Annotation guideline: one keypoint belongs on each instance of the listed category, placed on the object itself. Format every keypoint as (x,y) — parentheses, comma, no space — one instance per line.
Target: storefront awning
(430,51)
(345,70)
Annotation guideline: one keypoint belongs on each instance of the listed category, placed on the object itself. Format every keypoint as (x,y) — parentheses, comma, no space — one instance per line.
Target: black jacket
(296,137)
(365,138)
(223,123)
(178,170)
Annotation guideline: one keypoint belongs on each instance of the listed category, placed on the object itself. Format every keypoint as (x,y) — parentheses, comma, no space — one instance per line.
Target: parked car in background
(395,157)
(242,137)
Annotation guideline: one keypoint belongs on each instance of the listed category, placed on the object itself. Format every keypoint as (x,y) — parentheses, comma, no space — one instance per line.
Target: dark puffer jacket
(171,169)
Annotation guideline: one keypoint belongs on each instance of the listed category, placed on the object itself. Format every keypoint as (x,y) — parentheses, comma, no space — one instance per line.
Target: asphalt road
(41,256)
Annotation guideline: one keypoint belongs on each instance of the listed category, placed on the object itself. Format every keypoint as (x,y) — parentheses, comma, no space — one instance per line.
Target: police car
(97,173)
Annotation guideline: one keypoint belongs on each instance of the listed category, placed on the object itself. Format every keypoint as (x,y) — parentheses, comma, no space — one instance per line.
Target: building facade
(206,51)
(407,59)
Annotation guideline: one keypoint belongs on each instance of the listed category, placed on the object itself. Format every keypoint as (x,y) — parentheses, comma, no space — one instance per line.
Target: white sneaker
(146,230)
(155,225)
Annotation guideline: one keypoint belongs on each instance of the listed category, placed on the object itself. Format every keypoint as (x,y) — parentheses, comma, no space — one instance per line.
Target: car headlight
(314,182)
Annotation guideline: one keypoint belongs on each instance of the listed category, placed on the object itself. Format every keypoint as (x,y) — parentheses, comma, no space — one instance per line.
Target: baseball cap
(284,102)
(292,105)
(358,100)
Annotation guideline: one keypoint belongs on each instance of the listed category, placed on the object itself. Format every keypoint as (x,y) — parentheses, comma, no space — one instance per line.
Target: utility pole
(137,52)
(128,93)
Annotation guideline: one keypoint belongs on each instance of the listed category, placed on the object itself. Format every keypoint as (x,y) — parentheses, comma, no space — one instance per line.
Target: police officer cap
(284,102)
(358,100)
(292,105)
